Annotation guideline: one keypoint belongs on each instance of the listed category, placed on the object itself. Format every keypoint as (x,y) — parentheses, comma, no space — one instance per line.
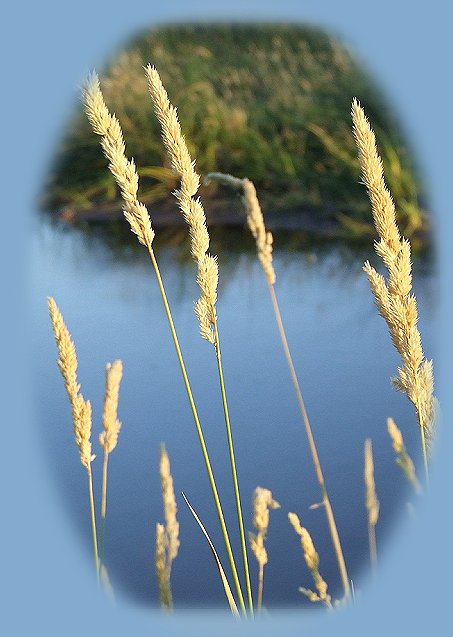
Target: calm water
(344,358)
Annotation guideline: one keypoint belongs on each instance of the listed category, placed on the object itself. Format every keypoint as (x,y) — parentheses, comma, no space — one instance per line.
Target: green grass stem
(233,469)
(199,430)
(423,443)
(103,507)
(93,521)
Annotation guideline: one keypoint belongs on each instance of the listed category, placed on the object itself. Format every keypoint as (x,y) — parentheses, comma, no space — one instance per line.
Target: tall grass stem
(423,444)
(93,522)
(325,498)
(233,468)
(260,586)
(199,429)
(103,507)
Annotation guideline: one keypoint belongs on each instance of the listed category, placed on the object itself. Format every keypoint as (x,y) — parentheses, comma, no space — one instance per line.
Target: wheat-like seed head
(160,559)
(396,436)
(373,177)
(312,561)
(403,459)
(168,496)
(123,170)
(191,207)
(109,437)
(67,362)
(311,595)
(262,502)
(167,537)
(172,135)
(372,503)
(310,554)
(394,300)
(255,219)
(258,548)
(263,238)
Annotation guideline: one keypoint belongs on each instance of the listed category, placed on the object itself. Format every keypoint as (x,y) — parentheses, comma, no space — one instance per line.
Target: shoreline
(230,213)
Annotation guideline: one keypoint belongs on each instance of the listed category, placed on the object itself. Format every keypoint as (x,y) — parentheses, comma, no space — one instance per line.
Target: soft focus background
(252,100)
(400,74)
(268,101)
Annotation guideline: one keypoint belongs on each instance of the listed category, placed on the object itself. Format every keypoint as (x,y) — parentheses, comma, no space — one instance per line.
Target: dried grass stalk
(264,243)
(191,207)
(81,408)
(402,457)
(262,502)
(371,501)
(167,537)
(109,437)
(67,362)
(394,300)
(108,127)
(312,561)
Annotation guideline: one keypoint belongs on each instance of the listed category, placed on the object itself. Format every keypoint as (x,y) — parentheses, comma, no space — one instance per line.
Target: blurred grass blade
(105,580)
(226,586)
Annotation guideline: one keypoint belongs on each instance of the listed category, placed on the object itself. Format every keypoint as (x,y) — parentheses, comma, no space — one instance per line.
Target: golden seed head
(312,561)
(263,238)
(162,574)
(310,595)
(393,296)
(395,435)
(403,459)
(258,548)
(207,279)
(109,437)
(191,207)
(167,537)
(67,363)
(310,554)
(255,220)
(372,503)
(373,178)
(171,133)
(123,170)
(170,508)
(262,502)
(203,313)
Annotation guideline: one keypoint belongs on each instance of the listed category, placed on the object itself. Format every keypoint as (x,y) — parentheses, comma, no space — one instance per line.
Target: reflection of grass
(269,102)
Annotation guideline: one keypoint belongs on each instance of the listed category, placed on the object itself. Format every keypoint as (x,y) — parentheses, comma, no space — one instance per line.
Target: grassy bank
(268,102)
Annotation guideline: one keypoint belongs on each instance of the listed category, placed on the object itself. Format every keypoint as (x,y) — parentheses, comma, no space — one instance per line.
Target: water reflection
(106,290)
